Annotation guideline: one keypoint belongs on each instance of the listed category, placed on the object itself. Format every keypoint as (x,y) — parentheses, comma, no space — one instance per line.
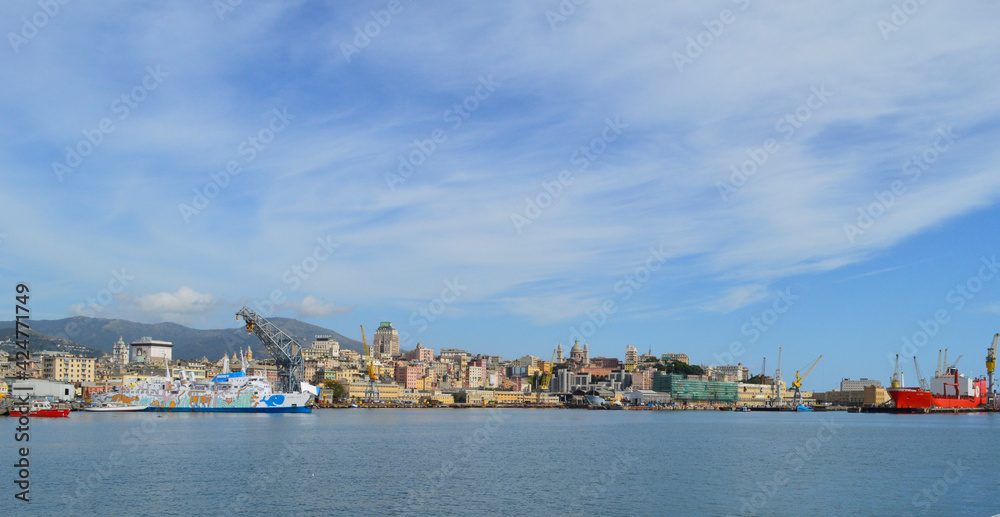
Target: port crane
(797,398)
(283,348)
(991,363)
(547,377)
(923,382)
(371,392)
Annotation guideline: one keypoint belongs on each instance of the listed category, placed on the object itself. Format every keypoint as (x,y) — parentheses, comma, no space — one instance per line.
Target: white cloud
(312,307)
(183,304)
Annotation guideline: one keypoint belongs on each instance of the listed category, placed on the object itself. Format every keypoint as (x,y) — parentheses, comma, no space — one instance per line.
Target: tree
(339,391)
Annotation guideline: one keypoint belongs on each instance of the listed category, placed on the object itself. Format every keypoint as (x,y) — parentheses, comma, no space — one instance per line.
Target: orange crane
(371,392)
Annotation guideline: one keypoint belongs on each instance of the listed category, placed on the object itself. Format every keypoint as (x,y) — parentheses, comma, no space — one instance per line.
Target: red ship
(950,390)
(41,408)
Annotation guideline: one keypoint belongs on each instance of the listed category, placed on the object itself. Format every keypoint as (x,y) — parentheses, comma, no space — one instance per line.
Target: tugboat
(40,408)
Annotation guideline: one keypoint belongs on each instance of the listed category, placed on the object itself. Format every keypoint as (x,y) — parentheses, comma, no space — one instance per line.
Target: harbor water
(509,461)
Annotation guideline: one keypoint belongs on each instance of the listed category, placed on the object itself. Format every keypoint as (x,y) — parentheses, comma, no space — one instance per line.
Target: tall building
(559,355)
(120,354)
(631,357)
(586,354)
(386,340)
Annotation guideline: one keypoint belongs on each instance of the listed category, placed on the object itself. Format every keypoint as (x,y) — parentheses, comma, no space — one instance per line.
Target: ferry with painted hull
(949,390)
(234,392)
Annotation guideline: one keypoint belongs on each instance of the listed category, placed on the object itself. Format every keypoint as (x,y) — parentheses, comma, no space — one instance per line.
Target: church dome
(576,349)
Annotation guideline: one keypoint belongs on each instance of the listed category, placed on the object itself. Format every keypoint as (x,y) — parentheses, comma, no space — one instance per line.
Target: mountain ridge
(189,343)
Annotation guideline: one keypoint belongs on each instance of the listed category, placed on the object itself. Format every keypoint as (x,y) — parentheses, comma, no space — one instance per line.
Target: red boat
(951,390)
(40,408)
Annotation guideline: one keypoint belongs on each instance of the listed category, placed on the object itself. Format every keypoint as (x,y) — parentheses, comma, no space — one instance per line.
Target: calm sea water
(537,462)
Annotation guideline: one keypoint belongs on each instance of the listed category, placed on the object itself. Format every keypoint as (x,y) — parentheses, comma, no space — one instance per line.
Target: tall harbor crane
(991,364)
(797,398)
(371,392)
(547,377)
(923,382)
(283,348)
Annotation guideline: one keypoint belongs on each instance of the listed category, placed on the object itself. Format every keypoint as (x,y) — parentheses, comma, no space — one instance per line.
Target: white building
(43,389)
(148,350)
(120,355)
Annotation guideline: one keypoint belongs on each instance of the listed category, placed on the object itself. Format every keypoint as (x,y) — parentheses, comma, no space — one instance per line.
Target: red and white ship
(949,390)
(39,407)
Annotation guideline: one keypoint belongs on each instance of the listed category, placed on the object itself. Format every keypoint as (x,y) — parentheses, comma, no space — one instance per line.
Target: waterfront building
(68,368)
(386,339)
(148,350)
(763,394)
(43,388)
(643,397)
(695,390)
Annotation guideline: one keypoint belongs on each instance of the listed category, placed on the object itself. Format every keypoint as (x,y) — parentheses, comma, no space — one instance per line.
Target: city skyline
(495,178)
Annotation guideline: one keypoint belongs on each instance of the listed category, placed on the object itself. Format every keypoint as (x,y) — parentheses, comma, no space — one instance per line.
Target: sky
(719,179)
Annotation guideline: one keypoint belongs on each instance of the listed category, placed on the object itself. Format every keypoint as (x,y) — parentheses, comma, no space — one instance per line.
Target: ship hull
(295,409)
(916,398)
(46,413)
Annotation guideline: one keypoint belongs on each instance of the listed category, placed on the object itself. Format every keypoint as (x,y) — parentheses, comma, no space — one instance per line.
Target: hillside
(38,341)
(101,334)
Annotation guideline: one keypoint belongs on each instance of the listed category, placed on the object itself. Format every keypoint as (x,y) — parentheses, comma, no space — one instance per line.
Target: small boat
(114,407)
(40,408)
(800,407)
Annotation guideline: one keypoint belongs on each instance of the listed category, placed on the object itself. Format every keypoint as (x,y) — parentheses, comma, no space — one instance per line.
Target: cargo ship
(234,392)
(948,390)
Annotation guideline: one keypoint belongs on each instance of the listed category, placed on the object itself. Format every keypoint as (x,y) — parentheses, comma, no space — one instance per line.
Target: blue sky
(501,178)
